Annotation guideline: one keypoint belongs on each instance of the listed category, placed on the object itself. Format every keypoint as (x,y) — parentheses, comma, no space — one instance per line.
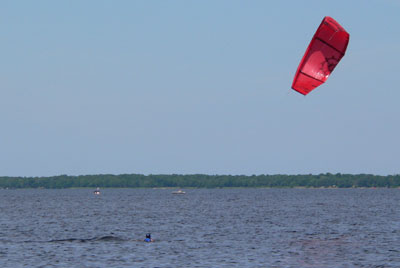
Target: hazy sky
(89,87)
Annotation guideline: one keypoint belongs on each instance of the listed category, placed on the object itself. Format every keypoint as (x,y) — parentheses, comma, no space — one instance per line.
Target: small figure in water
(148,238)
(97,191)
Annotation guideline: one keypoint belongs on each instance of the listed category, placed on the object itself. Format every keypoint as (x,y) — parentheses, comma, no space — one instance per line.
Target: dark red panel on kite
(324,52)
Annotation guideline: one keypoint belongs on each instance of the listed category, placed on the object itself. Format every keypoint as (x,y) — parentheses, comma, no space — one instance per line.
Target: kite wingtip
(301,92)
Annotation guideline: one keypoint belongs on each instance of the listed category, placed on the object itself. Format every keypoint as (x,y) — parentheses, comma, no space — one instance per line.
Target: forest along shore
(326,180)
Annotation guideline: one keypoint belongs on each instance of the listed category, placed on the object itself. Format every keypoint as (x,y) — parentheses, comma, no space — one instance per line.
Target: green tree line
(202,181)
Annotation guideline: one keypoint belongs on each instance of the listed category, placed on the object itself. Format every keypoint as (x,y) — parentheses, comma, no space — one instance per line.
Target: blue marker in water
(148,238)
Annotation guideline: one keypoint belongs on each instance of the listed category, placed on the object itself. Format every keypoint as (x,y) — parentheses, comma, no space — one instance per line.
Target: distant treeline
(202,181)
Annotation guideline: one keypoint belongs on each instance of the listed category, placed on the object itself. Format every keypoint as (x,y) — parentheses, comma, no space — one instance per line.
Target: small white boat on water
(97,191)
(178,192)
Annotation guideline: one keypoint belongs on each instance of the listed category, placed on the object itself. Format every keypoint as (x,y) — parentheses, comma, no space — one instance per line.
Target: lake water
(203,228)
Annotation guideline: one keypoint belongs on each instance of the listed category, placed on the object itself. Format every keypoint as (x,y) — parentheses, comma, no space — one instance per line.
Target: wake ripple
(107,238)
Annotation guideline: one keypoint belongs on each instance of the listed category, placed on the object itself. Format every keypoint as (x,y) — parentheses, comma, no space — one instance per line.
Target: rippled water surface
(203,228)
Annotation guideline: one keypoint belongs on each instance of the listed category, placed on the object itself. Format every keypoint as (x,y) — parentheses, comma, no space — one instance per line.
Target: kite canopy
(324,52)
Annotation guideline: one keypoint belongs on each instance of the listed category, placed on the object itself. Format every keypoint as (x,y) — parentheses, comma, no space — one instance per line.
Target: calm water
(204,228)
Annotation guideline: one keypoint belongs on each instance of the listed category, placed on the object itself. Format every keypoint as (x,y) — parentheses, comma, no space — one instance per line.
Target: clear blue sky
(89,87)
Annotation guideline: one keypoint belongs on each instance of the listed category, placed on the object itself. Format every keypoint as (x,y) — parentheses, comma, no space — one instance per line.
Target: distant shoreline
(198,188)
(162,181)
